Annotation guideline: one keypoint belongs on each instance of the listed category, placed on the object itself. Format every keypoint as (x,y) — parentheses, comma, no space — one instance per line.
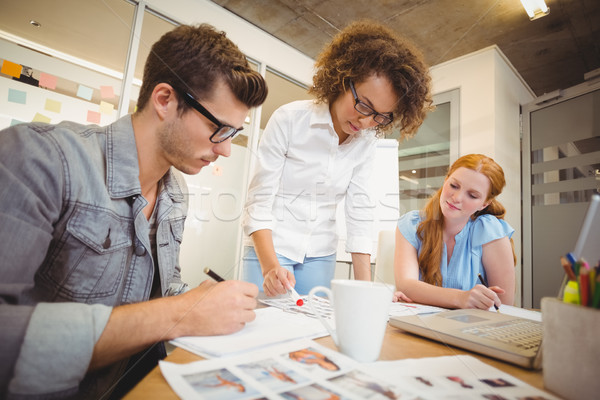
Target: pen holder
(571,349)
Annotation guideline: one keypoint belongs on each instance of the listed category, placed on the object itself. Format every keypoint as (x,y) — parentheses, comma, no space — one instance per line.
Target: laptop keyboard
(525,334)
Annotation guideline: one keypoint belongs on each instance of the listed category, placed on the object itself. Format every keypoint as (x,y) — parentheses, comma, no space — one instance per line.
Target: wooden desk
(397,345)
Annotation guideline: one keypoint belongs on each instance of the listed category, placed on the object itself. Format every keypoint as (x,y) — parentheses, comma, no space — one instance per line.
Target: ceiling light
(35,23)
(535,8)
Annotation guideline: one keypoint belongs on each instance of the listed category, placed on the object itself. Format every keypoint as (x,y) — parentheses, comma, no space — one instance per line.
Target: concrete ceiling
(550,53)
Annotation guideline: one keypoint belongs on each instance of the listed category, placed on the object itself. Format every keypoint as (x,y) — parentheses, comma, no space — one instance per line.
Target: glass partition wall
(83,62)
(423,160)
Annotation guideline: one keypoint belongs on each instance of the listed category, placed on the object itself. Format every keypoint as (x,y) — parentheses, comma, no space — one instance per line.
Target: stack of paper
(272,325)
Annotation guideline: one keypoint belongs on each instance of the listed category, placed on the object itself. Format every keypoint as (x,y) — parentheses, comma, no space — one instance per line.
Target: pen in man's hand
(484,283)
(213,274)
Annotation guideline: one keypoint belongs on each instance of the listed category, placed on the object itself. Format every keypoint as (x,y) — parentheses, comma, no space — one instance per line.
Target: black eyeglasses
(223,132)
(365,109)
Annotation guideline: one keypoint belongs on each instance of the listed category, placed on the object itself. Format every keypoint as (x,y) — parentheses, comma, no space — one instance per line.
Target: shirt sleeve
(57,348)
(258,212)
(487,228)
(359,207)
(407,225)
(32,183)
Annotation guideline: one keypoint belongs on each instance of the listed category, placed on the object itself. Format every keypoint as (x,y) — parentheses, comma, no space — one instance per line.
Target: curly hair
(193,58)
(430,230)
(366,48)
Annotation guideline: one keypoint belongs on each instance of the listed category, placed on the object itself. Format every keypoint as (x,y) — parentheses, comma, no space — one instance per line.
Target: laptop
(506,337)
(509,338)
(587,247)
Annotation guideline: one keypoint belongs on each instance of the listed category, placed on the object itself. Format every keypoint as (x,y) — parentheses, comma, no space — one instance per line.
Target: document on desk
(272,325)
(454,377)
(519,312)
(305,369)
(323,305)
(294,370)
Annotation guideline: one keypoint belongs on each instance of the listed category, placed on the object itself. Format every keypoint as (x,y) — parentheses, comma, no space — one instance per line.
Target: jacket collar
(122,165)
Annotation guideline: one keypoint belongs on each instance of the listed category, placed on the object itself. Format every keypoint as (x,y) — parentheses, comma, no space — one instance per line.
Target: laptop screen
(588,243)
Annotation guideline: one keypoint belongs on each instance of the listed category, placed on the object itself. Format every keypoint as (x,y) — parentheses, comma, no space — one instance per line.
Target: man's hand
(216,308)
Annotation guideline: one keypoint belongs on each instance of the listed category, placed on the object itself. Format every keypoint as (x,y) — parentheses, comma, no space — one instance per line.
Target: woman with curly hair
(460,234)
(314,153)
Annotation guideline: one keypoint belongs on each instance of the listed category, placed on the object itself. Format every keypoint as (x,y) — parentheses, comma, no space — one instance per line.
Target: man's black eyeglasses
(365,109)
(223,132)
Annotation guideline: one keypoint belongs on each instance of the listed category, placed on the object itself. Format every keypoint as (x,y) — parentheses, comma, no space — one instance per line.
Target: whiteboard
(385,196)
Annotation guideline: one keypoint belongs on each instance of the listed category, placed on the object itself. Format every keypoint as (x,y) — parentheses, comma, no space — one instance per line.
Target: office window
(67,64)
(424,159)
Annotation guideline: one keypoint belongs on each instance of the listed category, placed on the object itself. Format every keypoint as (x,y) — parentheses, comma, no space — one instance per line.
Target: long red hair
(430,230)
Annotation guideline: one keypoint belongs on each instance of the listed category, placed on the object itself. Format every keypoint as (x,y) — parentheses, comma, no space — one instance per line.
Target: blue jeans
(314,271)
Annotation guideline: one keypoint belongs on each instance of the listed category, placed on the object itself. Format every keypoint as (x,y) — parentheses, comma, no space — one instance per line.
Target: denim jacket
(73,244)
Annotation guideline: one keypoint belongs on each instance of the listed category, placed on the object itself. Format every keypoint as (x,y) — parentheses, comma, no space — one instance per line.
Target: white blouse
(301,174)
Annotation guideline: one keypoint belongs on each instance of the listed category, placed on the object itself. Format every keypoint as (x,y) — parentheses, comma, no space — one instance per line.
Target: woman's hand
(481,297)
(399,296)
(277,281)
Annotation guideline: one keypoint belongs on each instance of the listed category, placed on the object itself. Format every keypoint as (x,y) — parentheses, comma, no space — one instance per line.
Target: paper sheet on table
(519,312)
(272,325)
(324,307)
(305,369)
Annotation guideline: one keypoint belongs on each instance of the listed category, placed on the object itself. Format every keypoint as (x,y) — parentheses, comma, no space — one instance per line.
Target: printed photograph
(220,384)
(498,382)
(273,374)
(315,362)
(367,387)
(312,392)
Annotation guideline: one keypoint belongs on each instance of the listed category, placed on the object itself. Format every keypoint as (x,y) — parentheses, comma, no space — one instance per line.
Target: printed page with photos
(304,369)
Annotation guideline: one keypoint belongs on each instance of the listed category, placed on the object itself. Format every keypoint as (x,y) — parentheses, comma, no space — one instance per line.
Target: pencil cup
(571,354)
(361,312)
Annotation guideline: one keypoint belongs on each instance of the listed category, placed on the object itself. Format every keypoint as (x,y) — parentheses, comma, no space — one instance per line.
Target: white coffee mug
(361,312)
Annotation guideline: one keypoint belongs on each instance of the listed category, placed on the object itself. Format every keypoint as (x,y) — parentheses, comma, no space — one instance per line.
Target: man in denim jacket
(91,220)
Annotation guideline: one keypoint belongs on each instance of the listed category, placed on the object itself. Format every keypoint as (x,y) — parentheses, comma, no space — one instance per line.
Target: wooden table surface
(397,345)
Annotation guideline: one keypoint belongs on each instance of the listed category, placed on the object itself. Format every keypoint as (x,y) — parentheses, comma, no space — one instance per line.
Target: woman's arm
(276,278)
(362,266)
(406,272)
(498,262)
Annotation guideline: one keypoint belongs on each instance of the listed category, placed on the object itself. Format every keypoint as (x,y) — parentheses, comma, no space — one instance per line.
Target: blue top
(465,263)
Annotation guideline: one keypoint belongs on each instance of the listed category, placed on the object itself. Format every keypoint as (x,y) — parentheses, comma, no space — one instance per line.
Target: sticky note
(107,92)
(40,118)
(53,105)
(15,122)
(85,92)
(106,108)
(47,81)
(11,68)
(17,96)
(93,117)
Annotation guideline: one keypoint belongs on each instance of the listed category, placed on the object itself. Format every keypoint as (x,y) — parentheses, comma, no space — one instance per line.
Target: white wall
(491,93)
